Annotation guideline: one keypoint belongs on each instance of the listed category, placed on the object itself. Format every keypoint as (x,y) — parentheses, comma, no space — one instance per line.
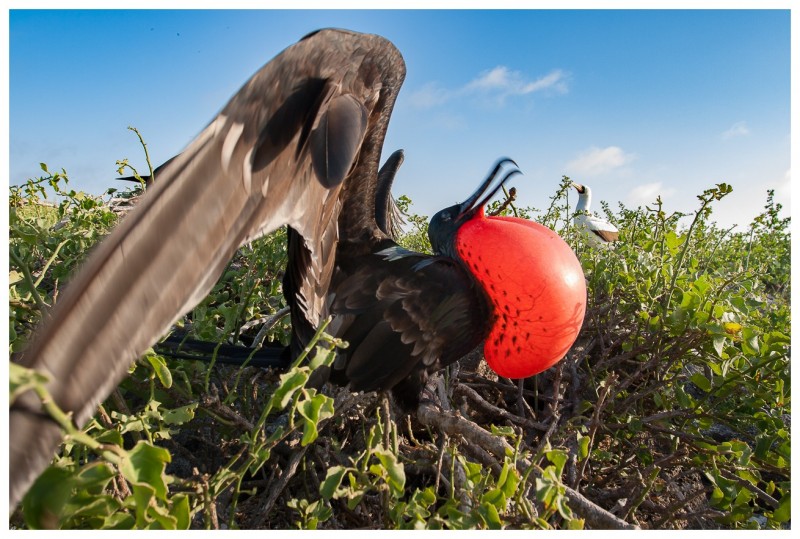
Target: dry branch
(454,424)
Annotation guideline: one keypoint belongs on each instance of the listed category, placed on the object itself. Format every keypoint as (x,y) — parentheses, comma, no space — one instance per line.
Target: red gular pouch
(536,286)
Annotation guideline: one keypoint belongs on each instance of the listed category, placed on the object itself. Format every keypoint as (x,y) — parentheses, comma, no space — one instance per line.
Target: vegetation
(672,410)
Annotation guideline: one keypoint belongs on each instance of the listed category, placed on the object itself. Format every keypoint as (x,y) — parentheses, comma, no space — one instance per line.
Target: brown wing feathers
(277,154)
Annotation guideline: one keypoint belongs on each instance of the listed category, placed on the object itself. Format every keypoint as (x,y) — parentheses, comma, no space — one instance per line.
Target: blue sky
(633,103)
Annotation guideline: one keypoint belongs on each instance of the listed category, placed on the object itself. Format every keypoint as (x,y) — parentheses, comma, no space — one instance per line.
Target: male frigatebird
(299,145)
(597,230)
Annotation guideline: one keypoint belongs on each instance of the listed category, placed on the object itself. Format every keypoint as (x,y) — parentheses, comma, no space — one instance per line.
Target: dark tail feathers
(181,347)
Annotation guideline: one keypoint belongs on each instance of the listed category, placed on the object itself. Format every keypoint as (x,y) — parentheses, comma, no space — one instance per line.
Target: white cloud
(646,193)
(596,161)
(739,129)
(501,82)
(430,95)
(495,85)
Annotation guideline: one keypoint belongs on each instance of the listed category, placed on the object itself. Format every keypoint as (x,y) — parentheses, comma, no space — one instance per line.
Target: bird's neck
(584,200)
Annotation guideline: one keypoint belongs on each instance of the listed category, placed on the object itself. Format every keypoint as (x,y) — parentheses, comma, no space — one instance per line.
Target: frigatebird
(299,146)
(597,230)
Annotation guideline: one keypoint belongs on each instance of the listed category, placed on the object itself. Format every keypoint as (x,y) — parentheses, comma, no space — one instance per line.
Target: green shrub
(672,409)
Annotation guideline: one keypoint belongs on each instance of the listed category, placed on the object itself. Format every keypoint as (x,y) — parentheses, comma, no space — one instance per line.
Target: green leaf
(44,501)
(683,399)
(181,511)
(394,468)
(321,357)
(575,523)
(489,515)
(784,511)
(503,431)
(510,480)
(496,497)
(674,241)
(163,373)
(750,342)
(583,446)
(701,381)
(559,458)
(145,465)
(563,508)
(142,496)
(719,344)
(90,511)
(291,382)
(313,411)
(179,416)
(332,481)
(21,379)
(763,444)
(545,491)
(95,476)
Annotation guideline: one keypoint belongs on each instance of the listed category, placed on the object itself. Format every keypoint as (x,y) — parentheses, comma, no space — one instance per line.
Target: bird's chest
(536,288)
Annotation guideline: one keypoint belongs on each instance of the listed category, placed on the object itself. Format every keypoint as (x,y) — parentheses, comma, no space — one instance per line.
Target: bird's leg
(441,392)
(520,397)
(451,378)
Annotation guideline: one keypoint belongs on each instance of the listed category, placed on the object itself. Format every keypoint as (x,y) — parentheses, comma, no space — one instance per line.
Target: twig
(278,487)
(669,513)
(594,424)
(268,324)
(209,504)
(511,196)
(495,410)
(146,153)
(595,516)
(546,437)
(26,274)
(482,456)
(213,405)
(453,424)
(751,487)
(636,502)
(439,462)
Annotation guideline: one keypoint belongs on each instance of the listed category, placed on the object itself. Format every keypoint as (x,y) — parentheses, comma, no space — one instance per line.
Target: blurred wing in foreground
(306,130)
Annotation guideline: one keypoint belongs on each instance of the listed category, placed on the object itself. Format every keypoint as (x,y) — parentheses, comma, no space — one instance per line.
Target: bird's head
(581,189)
(584,198)
(446,223)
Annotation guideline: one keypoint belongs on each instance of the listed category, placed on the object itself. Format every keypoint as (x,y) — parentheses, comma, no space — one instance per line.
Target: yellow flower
(732,328)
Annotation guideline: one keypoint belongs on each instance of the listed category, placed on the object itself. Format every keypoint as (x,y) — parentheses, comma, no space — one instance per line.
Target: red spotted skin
(537,290)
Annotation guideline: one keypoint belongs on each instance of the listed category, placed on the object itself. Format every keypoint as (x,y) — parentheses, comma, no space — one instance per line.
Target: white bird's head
(584,196)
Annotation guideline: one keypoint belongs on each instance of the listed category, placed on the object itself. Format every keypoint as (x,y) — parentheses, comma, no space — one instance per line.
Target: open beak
(486,191)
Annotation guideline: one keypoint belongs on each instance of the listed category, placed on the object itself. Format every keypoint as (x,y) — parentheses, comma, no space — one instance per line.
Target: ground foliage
(671,410)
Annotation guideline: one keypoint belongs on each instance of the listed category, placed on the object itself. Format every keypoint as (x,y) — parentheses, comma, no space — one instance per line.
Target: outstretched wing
(302,131)
(306,282)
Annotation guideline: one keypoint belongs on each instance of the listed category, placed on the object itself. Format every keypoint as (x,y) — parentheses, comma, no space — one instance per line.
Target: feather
(257,166)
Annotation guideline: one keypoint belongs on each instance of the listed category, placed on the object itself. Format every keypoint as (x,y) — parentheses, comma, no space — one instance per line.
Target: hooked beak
(484,193)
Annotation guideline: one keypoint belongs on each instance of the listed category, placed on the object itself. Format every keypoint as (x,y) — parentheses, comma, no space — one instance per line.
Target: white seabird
(597,230)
